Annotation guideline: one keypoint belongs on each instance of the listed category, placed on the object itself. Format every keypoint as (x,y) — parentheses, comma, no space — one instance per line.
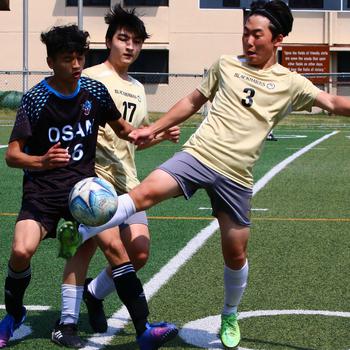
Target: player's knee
(21,253)
(236,261)
(143,198)
(115,252)
(140,260)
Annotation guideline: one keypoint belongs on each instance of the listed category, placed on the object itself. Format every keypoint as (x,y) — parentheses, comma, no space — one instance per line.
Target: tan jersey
(115,158)
(246,104)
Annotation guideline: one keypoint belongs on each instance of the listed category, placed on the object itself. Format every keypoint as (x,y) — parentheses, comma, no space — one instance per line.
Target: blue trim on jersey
(58,94)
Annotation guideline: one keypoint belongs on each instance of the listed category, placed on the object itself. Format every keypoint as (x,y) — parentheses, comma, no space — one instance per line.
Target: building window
(146,2)
(95,56)
(217,4)
(322,5)
(231,3)
(151,61)
(343,65)
(297,5)
(91,3)
(4,5)
(306,4)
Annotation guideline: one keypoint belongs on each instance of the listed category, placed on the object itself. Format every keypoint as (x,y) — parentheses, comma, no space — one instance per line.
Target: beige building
(186,37)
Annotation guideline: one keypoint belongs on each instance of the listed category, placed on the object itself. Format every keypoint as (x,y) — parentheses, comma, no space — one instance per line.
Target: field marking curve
(121,317)
(203,332)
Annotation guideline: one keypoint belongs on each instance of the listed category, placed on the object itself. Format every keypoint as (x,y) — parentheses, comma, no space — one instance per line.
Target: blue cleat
(8,326)
(156,335)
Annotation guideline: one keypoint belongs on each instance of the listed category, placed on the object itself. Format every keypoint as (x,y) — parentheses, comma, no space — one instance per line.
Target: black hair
(118,18)
(68,38)
(279,14)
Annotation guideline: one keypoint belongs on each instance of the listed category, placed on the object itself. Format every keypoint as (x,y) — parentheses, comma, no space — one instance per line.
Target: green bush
(10,99)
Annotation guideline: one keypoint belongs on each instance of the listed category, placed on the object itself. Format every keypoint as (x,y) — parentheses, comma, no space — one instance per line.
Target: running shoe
(156,335)
(8,325)
(230,334)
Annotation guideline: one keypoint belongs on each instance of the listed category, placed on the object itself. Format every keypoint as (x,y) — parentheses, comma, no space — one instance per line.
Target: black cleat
(97,317)
(271,137)
(67,335)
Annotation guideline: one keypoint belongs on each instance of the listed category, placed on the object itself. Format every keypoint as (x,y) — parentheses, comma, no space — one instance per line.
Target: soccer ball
(93,201)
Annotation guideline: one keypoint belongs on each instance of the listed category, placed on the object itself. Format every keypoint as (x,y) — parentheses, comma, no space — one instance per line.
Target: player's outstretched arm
(181,111)
(55,157)
(338,105)
(121,128)
(172,134)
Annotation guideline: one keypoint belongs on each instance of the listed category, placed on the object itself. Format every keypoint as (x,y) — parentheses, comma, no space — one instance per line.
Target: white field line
(32,307)
(121,317)
(202,333)
(3,146)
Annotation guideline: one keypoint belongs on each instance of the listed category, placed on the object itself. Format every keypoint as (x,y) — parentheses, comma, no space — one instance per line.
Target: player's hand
(172,134)
(141,136)
(55,157)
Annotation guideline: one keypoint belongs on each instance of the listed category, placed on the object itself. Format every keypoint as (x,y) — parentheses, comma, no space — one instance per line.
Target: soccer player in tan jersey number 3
(250,94)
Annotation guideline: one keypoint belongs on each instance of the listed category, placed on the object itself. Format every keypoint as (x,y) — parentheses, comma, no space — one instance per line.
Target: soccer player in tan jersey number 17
(250,94)
(115,162)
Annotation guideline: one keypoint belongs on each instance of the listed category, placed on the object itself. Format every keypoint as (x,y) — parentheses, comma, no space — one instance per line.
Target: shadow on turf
(42,324)
(275,344)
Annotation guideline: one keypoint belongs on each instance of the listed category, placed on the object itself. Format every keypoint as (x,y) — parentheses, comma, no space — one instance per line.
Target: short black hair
(277,12)
(68,38)
(118,18)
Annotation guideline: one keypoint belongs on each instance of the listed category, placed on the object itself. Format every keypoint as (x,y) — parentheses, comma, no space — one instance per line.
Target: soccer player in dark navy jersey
(54,141)
(60,131)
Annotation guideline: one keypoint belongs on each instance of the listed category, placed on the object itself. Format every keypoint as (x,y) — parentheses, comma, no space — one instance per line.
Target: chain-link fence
(162,89)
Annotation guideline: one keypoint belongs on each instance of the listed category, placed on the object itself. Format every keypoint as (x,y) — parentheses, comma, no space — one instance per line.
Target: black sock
(16,284)
(130,291)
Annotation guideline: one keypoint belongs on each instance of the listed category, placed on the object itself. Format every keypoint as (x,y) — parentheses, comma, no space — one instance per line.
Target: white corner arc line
(203,332)
(121,317)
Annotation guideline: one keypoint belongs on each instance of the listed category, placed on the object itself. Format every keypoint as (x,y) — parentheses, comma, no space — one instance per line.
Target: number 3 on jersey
(129,109)
(248,100)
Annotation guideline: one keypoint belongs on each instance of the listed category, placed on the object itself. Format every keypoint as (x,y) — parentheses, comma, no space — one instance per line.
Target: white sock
(126,208)
(71,300)
(102,285)
(235,282)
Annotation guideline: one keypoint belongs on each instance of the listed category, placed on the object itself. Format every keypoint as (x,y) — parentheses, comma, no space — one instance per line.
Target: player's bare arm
(121,128)
(180,112)
(172,134)
(55,157)
(334,104)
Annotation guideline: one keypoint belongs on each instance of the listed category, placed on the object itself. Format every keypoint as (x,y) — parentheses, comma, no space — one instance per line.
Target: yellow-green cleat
(230,334)
(69,239)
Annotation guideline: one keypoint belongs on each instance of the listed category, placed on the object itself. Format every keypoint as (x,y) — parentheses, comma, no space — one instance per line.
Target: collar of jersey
(58,94)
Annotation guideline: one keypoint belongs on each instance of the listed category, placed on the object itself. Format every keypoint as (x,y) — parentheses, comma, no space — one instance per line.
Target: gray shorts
(138,218)
(225,194)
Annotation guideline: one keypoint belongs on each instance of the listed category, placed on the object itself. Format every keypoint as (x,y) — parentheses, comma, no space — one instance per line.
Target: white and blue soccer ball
(93,201)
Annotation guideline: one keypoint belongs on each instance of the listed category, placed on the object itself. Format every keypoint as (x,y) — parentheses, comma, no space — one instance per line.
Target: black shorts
(46,210)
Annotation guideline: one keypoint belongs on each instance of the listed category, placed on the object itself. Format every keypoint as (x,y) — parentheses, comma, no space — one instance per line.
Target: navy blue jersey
(46,117)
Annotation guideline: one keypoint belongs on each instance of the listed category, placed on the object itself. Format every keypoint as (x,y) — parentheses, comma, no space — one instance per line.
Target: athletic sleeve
(107,109)
(209,84)
(303,94)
